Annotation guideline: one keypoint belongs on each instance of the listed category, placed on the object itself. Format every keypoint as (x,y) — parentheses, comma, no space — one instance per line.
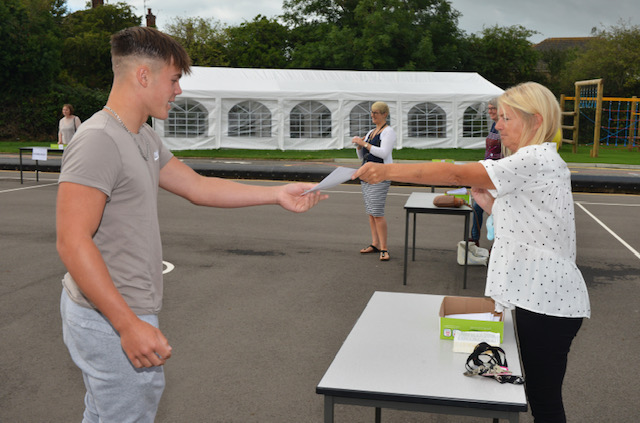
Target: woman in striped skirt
(377,146)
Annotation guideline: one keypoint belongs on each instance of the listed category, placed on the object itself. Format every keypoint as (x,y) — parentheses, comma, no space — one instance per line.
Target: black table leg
(466,249)
(413,248)
(406,247)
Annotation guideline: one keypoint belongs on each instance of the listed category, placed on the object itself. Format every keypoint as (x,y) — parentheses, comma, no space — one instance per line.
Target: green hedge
(37,117)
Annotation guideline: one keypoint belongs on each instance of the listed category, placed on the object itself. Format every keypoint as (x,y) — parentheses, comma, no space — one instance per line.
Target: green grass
(606,154)
(348,153)
(610,155)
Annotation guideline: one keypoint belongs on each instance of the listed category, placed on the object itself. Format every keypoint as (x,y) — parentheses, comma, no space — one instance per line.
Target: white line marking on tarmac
(360,193)
(609,204)
(31,187)
(168,267)
(622,241)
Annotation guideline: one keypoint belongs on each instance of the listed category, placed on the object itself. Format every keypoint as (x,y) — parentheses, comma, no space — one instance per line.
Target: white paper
(39,153)
(487,317)
(465,342)
(338,176)
(459,191)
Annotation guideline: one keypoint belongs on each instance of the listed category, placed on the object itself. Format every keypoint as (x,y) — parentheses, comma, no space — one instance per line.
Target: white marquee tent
(290,109)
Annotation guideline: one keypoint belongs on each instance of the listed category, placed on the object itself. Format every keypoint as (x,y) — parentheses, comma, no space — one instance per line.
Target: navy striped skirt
(375,197)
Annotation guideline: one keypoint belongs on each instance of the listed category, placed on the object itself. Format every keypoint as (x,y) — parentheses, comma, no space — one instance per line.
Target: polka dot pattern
(533,259)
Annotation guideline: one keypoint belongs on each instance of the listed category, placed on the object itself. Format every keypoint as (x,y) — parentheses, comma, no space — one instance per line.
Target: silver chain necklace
(144,156)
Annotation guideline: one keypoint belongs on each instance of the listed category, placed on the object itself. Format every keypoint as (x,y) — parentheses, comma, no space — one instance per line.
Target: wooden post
(632,126)
(598,121)
(576,118)
(563,127)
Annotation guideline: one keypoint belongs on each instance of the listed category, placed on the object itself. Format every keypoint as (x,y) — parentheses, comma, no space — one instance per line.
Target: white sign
(39,153)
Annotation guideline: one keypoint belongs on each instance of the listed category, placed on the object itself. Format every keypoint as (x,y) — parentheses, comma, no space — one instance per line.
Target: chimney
(151,19)
(96,3)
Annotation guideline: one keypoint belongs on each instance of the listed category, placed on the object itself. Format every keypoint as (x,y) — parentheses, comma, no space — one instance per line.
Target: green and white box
(468,305)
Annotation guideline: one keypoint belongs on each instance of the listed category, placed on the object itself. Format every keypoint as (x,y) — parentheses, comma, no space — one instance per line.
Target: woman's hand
(359,141)
(372,173)
(483,198)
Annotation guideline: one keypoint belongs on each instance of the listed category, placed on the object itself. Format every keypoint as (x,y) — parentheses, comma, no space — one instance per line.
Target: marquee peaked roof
(248,82)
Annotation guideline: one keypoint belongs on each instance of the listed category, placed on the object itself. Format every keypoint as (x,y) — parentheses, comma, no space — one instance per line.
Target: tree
(554,65)
(203,39)
(339,12)
(448,41)
(30,50)
(504,55)
(613,55)
(261,43)
(373,34)
(87,52)
(29,47)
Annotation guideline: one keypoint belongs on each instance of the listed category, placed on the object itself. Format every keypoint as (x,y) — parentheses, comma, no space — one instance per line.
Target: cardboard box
(466,305)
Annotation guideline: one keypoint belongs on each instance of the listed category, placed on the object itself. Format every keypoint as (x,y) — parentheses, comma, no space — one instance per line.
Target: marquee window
(360,119)
(310,119)
(475,121)
(427,120)
(249,119)
(187,119)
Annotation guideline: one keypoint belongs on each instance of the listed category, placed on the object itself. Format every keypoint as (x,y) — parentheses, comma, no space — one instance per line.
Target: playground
(258,302)
(612,121)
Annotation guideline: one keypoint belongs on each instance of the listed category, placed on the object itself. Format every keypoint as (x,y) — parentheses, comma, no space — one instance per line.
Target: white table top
(394,353)
(424,200)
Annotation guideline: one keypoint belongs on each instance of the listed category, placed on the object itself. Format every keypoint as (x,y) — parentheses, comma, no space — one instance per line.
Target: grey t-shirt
(68,128)
(103,155)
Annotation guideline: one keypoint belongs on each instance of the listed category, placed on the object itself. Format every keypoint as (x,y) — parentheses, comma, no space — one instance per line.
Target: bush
(37,117)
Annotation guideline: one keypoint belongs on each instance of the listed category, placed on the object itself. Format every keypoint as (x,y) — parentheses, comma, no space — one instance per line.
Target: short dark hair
(150,43)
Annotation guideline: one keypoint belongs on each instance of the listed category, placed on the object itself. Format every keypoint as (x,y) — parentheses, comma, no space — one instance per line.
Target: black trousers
(544,345)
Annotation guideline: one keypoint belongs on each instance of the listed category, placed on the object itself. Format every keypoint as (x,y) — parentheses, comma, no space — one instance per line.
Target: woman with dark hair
(68,124)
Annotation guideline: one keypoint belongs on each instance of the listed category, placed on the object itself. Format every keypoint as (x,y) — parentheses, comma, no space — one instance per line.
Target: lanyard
(489,361)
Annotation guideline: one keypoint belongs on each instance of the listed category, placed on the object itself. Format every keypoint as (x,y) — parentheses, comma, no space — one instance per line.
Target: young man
(108,234)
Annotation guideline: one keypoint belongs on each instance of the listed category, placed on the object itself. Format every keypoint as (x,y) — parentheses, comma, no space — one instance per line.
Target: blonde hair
(380,106)
(528,100)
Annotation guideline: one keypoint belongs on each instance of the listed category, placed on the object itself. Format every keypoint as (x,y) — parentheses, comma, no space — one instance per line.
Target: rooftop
(562,43)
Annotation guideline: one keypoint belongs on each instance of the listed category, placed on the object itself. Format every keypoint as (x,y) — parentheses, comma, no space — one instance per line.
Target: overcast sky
(551,18)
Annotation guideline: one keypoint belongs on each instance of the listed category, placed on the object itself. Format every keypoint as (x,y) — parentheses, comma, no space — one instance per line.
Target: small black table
(422,202)
(49,150)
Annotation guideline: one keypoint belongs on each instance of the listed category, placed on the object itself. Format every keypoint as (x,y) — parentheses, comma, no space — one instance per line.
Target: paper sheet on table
(487,317)
(338,176)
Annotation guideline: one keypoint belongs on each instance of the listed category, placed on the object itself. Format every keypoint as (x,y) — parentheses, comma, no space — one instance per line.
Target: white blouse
(387,141)
(533,259)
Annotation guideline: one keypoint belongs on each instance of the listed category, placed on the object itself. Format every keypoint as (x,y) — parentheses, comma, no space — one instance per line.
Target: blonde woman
(376,147)
(532,266)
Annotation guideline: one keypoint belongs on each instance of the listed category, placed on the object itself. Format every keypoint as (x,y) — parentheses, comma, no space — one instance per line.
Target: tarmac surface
(259,300)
